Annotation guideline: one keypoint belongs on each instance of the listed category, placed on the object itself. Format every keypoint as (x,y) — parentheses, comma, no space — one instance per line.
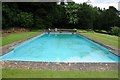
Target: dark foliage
(43,15)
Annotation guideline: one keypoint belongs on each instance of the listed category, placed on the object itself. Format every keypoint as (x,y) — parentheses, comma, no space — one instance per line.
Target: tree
(97,21)
(25,19)
(109,18)
(71,11)
(45,15)
(9,15)
(86,16)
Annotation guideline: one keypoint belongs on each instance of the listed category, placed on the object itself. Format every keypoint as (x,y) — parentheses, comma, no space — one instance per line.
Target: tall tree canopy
(44,15)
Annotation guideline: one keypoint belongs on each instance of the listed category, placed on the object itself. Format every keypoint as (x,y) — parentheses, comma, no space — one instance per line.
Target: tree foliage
(45,15)
(86,16)
(71,11)
(25,19)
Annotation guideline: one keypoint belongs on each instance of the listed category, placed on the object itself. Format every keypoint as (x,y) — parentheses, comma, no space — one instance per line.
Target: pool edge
(9,47)
(110,48)
(60,66)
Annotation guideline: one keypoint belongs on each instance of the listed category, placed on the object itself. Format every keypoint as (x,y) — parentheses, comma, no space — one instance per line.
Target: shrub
(25,19)
(115,31)
(9,16)
(42,23)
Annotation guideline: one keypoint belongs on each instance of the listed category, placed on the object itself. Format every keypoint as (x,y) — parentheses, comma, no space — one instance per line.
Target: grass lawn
(18,73)
(16,37)
(105,38)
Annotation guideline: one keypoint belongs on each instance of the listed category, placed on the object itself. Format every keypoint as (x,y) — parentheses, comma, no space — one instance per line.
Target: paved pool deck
(95,66)
(60,66)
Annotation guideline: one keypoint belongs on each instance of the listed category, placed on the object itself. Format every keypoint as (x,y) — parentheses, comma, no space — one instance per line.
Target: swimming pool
(60,48)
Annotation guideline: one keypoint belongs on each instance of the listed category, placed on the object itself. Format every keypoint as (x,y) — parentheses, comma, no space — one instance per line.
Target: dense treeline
(43,15)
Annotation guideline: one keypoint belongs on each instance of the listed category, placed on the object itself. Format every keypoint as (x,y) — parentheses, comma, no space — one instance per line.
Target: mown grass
(18,73)
(105,38)
(16,37)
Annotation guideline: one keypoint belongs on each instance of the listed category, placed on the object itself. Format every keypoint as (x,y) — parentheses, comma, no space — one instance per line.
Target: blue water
(60,48)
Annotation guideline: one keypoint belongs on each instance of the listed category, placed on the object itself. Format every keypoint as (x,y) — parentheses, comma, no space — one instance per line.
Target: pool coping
(88,66)
(61,66)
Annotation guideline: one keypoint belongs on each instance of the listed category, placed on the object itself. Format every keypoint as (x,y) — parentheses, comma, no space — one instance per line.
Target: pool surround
(55,65)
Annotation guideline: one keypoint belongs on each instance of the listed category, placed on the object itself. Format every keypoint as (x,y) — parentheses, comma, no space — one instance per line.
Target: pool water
(60,48)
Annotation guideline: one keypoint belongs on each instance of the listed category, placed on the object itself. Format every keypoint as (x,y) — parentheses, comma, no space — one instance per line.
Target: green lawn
(18,73)
(16,37)
(105,38)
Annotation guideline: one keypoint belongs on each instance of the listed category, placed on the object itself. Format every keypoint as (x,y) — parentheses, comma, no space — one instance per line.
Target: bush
(115,31)
(42,23)
(25,19)
(9,16)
